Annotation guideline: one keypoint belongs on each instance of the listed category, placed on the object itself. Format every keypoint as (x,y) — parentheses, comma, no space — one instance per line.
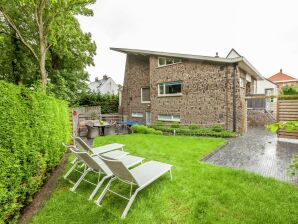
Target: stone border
(213,152)
(43,194)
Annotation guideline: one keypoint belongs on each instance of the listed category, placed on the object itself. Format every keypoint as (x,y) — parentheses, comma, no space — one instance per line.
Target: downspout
(234,99)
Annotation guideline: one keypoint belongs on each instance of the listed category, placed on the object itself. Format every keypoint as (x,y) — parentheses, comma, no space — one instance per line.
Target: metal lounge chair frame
(130,177)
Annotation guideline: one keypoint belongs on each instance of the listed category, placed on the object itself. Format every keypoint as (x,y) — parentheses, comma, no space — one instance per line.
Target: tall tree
(40,24)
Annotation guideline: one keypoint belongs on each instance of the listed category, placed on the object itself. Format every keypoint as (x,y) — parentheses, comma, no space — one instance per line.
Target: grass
(199,192)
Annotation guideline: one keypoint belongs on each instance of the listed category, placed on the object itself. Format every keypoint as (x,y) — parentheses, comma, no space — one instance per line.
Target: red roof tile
(279,77)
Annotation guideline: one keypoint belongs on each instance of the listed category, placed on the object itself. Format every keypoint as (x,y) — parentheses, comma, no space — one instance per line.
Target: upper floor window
(145,95)
(162,61)
(170,89)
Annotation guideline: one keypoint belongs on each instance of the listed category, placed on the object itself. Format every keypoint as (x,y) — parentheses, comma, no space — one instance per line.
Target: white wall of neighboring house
(262,85)
(109,87)
(105,86)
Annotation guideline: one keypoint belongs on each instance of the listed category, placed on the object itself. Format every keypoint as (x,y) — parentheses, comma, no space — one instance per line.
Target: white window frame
(178,60)
(137,114)
(242,82)
(171,117)
(164,89)
(142,94)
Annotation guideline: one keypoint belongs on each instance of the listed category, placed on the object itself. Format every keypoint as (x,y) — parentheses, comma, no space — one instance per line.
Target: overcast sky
(263,31)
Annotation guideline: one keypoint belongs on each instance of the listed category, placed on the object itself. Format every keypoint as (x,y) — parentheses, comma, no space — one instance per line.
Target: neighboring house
(267,87)
(282,79)
(106,85)
(160,86)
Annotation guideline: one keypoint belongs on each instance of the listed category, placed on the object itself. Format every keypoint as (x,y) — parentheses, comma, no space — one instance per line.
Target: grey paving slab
(258,151)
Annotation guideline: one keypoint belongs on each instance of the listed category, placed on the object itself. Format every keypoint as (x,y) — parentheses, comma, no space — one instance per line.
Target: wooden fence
(287,110)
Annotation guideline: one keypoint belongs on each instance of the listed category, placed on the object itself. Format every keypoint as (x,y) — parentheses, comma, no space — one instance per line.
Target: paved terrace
(258,151)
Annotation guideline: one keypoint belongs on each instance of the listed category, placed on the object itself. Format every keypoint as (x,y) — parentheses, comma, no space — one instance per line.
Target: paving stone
(258,151)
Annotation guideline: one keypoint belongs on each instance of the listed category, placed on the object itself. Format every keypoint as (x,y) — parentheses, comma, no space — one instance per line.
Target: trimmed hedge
(32,128)
(216,131)
(142,129)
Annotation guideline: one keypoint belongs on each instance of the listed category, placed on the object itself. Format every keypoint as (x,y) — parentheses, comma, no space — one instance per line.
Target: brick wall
(136,76)
(207,91)
(259,118)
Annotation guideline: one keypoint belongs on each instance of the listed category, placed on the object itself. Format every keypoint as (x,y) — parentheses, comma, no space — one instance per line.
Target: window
(168,61)
(170,89)
(137,114)
(242,82)
(165,117)
(145,95)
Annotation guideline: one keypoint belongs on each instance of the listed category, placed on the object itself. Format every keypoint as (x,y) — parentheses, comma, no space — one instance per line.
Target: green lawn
(199,192)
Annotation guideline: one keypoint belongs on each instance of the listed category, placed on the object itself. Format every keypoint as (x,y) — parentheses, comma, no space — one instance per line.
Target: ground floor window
(137,114)
(145,95)
(166,117)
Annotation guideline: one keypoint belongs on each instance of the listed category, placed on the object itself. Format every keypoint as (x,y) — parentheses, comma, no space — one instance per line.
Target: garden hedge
(32,128)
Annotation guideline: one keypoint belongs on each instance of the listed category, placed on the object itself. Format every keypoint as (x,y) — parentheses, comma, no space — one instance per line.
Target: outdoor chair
(93,163)
(140,176)
(115,154)
(101,149)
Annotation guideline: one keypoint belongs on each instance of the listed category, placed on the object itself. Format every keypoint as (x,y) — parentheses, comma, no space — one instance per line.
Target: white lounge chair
(141,176)
(95,164)
(100,149)
(110,151)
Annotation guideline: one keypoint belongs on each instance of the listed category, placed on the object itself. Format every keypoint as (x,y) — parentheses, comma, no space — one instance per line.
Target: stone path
(258,151)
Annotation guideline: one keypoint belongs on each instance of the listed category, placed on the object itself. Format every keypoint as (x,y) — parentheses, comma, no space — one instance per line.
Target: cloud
(265,32)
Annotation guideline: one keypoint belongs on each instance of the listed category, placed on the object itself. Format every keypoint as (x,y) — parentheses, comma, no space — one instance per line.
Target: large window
(166,117)
(170,89)
(145,95)
(168,61)
(137,114)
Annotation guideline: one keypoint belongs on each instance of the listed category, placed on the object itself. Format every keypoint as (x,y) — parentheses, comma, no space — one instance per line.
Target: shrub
(175,124)
(142,129)
(159,123)
(182,130)
(107,102)
(32,128)
(193,127)
(217,128)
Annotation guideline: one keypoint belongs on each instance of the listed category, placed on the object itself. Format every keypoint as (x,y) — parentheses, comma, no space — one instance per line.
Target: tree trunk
(42,46)
(42,66)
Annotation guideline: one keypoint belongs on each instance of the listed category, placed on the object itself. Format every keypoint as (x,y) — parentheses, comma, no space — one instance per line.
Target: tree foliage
(31,30)
(109,103)
(290,90)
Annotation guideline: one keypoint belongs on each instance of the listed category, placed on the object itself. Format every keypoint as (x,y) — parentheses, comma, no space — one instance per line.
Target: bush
(32,128)
(193,127)
(142,129)
(159,123)
(186,130)
(107,102)
(175,124)
(217,128)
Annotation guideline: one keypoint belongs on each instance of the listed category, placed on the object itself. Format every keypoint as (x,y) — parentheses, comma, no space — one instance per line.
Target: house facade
(282,79)
(267,87)
(106,85)
(160,86)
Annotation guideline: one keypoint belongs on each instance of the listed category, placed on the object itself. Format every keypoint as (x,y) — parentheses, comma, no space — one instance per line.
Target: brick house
(160,86)
(282,79)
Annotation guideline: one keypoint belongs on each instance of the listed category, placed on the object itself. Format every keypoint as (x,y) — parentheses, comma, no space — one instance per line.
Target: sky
(263,31)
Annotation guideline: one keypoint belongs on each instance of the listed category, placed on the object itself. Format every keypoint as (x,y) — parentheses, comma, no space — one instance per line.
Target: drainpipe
(234,99)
